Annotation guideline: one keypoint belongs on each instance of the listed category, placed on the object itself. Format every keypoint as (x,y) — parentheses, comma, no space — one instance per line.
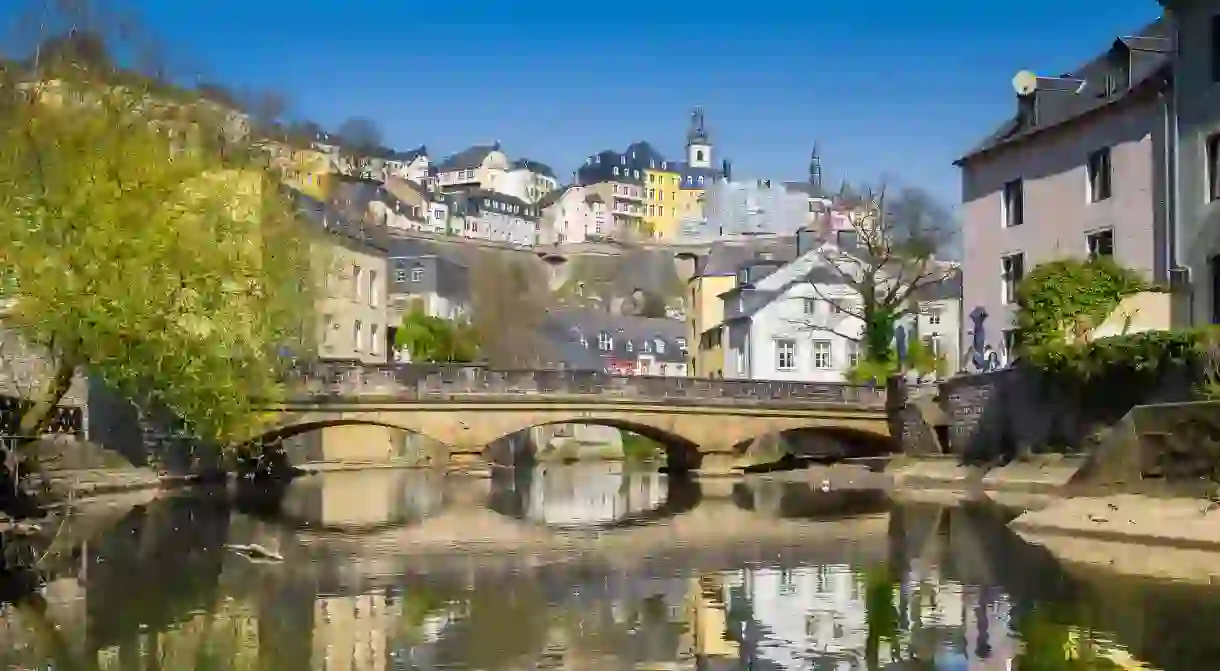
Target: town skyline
(575,100)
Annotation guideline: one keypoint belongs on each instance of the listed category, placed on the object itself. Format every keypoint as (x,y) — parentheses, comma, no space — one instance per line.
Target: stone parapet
(436,382)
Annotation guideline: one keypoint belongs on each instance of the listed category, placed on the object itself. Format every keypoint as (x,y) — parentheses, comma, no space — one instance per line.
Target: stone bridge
(466,408)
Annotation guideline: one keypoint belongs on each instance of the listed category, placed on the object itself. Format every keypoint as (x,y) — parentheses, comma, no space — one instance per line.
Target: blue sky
(898,87)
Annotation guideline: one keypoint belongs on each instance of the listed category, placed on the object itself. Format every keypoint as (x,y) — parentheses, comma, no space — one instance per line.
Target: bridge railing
(429,382)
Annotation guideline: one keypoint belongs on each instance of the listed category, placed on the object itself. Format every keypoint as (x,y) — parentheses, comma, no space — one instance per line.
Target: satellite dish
(1025,83)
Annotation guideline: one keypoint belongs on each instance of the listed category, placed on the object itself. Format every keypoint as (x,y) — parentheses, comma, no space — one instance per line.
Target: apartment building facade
(1077,171)
(1194,27)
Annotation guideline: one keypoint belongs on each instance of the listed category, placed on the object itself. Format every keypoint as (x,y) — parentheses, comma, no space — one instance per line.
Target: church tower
(698,144)
(815,168)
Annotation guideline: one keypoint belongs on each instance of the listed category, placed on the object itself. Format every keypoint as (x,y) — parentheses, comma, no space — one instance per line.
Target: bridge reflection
(159,590)
(603,496)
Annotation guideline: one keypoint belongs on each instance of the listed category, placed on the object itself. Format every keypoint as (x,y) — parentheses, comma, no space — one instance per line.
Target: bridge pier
(717,463)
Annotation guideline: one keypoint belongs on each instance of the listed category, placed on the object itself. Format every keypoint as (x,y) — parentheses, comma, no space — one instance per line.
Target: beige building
(479,167)
(353,314)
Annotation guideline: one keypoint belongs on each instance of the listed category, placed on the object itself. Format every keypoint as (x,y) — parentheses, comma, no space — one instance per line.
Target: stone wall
(414,381)
(992,416)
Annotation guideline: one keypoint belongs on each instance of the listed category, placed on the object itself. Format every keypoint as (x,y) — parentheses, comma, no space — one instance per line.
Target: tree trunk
(37,419)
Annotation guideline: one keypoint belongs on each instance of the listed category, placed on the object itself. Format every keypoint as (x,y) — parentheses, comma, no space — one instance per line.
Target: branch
(811,325)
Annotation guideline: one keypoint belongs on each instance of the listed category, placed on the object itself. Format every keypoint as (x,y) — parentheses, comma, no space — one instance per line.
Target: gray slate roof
(469,158)
(534,166)
(1146,54)
(724,258)
(564,328)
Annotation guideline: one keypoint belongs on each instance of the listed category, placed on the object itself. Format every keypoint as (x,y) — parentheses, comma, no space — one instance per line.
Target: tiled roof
(1146,56)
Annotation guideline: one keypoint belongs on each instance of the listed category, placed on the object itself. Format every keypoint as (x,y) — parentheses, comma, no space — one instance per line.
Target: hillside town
(688,233)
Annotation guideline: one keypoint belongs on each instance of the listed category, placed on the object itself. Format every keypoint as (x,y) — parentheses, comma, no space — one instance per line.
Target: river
(582,567)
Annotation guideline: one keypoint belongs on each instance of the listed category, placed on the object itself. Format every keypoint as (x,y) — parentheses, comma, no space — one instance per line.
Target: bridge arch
(681,453)
(687,432)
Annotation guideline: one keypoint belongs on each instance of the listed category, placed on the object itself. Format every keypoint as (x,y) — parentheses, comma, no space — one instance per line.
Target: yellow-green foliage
(437,340)
(156,264)
(1071,295)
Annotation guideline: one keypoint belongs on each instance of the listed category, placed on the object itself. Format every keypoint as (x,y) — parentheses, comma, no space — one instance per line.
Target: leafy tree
(167,268)
(434,339)
(885,258)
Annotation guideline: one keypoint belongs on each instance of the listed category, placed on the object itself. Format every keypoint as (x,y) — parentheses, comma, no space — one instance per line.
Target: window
(810,306)
(648,347)
(1013,205)
(1213,167)
(357,330)
(661,210)
(417,274)
(1012,269)
(821,354)
(681,342)
(785,355)
(1101,243)
(699,157)
(358,281)
(604,342)
(660,345)
(374,294)
(400,275)
(853,353)
(1099,173)
(934,316)
(374,344)
(630,346)
(1215,47)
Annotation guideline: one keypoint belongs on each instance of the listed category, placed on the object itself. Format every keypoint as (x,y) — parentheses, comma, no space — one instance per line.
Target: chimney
(1027,109)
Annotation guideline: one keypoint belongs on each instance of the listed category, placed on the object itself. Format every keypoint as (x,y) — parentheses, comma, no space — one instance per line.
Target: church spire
(697,134)
(815,167)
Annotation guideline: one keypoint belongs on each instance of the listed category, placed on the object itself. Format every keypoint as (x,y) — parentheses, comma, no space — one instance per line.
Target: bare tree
(266,108)
(874,271)
(508,304)
(360,135)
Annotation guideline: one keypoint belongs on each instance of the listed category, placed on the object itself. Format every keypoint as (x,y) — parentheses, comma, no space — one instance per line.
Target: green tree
(434,339)
(134,251)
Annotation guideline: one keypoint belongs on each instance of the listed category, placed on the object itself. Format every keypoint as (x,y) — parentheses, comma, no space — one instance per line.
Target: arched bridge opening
(594,497)
(594,439)
(813,444)
(340,439)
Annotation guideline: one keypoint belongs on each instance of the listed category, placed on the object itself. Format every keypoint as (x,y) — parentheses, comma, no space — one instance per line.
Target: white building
(528,180)
(489,215)
(572,214)
(411,165)
(792,321)
(750,207)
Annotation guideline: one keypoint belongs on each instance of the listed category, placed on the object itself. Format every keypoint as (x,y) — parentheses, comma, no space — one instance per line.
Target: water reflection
(952,589)
(600,496)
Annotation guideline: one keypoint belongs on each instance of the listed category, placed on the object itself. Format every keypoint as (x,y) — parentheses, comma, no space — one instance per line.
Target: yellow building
(305,169)
(663,214)
(705,318)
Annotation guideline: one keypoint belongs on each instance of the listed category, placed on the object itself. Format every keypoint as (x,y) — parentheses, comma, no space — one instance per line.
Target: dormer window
(660,344)
(605,343)
(630,346)
(743,276)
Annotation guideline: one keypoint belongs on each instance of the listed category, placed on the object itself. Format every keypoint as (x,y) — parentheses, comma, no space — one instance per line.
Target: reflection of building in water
(575,496)
(226,637)
(19,647)
(364,498)
(351,633)
(803,613)
(790,617)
